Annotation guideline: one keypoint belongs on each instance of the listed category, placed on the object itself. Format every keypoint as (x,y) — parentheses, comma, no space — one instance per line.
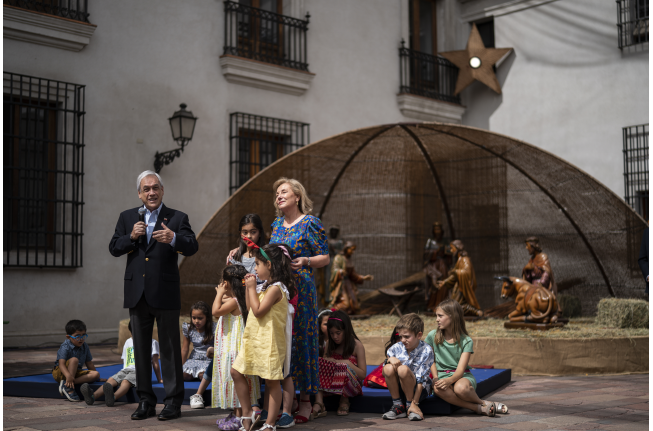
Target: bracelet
(309,261)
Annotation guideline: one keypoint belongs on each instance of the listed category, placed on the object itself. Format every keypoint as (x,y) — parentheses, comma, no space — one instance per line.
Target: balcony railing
(427,75)
(265,36)
(632,16)
(71,9)
(636,168)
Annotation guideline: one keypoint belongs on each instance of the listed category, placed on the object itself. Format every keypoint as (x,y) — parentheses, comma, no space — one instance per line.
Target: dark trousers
(142,320)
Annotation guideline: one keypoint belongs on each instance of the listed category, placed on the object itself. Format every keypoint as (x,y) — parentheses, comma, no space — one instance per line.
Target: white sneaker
(196,401)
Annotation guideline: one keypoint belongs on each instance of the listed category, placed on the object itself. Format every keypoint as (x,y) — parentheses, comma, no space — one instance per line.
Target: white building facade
(87,101)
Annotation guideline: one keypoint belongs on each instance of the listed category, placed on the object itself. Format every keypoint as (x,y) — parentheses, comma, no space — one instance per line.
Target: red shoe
(299,419)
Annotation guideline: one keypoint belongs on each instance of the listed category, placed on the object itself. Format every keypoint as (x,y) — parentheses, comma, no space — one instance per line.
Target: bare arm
(260,309)
(157,368)
(361,368)
(220,307)
(184,350)
(457,375)
(316,261)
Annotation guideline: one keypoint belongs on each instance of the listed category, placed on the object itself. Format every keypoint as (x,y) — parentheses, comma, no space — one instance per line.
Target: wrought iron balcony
(632,16)
(71,9)
(265,36)
(427,75)
(636,168)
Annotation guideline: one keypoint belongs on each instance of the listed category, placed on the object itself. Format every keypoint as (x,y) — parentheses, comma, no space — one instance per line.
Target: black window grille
(632,22)
(265,36)
(256,142)
(43,172)
(72,9)
(636,168)
(427,75)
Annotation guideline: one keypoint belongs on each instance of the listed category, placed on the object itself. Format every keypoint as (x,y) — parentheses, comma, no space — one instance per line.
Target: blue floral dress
(307,238)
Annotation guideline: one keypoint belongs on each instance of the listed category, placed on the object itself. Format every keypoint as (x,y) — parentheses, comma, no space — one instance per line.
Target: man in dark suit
(152,290)
(643,258)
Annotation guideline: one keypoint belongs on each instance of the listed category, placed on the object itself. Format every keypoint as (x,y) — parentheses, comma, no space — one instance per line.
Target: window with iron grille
(636,168)
(43,172)
(256,142)
(632,22)
(72,9)
(256,29)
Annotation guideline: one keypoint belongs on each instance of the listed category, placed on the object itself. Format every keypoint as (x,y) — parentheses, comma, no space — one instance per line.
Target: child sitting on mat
(343,367)
(199,331)
(125,379)
(71,355)
(453,382)
(407,369)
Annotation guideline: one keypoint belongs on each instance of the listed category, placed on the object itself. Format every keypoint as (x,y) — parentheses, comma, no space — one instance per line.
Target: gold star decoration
(475,62)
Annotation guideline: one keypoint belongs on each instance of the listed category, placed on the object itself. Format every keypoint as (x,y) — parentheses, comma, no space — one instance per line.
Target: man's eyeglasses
(79,337)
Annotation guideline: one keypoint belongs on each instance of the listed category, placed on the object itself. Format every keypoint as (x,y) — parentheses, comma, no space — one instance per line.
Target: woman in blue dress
(306,236)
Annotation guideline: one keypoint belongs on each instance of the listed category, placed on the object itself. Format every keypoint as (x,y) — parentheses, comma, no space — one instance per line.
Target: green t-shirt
(448,355)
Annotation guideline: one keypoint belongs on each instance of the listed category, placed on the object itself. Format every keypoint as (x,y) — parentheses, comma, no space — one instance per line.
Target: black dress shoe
(169,412)
(143,411)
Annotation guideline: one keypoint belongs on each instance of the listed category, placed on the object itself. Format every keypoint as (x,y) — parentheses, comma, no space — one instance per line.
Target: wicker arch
(385,185)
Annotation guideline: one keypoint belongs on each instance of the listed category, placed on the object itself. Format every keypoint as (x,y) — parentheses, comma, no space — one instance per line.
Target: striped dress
(228,340)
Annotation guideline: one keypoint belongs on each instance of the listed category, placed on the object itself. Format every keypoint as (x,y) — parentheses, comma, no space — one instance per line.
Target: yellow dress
(263,350)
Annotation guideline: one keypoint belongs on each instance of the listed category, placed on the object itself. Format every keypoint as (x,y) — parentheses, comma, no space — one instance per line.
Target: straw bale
(623,313)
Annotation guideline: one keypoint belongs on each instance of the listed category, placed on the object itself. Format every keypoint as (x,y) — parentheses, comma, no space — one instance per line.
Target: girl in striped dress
(229,306)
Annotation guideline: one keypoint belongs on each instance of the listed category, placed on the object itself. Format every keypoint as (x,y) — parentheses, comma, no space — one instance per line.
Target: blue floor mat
(372,401)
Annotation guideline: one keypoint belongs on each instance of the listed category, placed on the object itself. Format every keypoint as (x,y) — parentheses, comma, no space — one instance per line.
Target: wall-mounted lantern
(182,125)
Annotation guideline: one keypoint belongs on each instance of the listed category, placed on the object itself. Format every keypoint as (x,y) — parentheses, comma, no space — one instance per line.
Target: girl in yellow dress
(265,350)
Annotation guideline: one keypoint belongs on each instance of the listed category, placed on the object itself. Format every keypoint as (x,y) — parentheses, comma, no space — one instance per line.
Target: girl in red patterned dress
(343,367)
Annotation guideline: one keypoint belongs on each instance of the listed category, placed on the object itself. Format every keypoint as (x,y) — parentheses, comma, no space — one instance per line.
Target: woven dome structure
(386,185)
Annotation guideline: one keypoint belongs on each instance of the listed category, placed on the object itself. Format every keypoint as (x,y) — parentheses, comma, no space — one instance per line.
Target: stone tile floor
(535,402)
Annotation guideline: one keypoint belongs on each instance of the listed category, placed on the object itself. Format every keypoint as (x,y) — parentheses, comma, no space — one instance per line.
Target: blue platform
(372,400)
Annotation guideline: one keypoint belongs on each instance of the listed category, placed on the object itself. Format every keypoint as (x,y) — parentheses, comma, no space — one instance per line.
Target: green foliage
(622,313)
(570,305)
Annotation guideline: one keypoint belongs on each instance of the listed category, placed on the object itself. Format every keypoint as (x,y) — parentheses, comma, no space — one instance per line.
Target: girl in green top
(453,347)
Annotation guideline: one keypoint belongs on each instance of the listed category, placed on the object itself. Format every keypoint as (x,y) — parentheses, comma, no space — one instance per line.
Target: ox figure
(534,304)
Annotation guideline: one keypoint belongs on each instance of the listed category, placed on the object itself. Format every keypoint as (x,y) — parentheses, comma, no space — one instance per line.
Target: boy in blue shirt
(71,355)
(407,369)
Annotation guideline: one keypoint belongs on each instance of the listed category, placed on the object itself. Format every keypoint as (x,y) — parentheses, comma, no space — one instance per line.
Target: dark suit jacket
(643,254)
(152,268)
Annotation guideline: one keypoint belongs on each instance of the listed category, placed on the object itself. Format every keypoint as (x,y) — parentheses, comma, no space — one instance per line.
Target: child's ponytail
(280,256)
(234,275)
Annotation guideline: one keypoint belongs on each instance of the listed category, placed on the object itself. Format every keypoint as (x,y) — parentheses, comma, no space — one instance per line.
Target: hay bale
(570,305)
(622,313)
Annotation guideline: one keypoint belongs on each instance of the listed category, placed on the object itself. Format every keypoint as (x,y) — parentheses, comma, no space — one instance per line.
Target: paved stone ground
(536,403)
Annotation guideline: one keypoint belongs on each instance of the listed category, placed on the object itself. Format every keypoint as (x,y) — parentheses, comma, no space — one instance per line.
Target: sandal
(252,419)
(319,414)
(488,408)
(233,424)
(268,426)
(343,408)
(299,419)
(502,408)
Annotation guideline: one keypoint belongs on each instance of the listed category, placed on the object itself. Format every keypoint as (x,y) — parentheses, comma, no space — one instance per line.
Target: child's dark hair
(208,326)
(325,313)
(340,320)
(258,224)
(280,270)
(74,326)
(234,274)
(394,339)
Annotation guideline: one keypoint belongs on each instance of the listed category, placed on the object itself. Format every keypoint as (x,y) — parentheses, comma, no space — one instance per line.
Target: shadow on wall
(485,101)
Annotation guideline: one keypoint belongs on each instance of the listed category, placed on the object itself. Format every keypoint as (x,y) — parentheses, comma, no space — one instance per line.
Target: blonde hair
(452,309)
(305,204)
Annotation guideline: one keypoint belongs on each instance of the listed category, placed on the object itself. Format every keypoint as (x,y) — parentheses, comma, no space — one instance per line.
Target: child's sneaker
(88,394)
(196,401)
(72,396)
(412,416)
(285,421)
(62,383)
(396,412)
(109,397)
